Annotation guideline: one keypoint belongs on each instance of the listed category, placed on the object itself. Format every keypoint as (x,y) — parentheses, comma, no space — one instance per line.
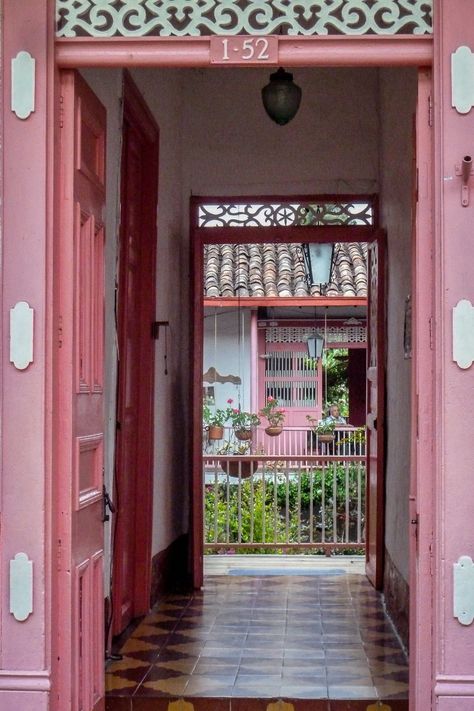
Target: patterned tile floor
(324,637)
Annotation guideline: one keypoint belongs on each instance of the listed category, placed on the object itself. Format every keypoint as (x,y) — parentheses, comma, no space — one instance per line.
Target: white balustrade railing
(279,502)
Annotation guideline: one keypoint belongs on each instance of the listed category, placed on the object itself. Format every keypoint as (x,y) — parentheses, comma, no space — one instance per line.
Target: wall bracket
(463,334)
(462,80)
(463,590)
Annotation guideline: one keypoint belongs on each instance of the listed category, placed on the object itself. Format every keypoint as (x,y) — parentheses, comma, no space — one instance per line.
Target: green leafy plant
(215,416)
(320,428)
(243,420)
(274,414)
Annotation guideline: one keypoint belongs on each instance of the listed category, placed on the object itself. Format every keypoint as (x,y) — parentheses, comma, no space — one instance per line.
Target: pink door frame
(444,254)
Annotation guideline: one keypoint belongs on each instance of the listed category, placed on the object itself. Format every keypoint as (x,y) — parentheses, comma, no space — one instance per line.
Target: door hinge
(61,111)
(430,110)
(59,556)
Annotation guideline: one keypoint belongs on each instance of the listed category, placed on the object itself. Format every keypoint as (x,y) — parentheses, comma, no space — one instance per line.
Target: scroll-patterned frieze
(180,18)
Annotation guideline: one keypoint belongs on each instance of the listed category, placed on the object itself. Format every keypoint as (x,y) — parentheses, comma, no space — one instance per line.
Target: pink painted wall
(25,494)
(398,89)
(452,479)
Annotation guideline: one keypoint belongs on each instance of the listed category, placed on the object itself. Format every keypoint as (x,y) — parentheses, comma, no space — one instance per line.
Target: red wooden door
(375,414)
(136,308)
(79,417)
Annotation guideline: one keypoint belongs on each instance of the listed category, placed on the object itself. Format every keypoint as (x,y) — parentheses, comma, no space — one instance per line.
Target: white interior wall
(223,351)
(162,91)
(398,89)
(231,147)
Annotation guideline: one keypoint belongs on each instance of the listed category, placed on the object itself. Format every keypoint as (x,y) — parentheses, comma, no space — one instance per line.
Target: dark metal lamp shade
(315,346)
(318,259)
(281,97)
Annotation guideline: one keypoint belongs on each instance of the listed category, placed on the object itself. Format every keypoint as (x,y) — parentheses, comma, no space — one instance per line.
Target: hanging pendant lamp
(281,97)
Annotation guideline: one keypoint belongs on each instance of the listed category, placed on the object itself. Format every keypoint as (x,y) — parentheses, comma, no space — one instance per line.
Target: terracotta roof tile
(269,270)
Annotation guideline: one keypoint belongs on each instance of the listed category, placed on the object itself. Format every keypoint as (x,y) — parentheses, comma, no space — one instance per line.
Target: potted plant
(242,422)
(239,465)
(323,431)
(275,416)
(214,420)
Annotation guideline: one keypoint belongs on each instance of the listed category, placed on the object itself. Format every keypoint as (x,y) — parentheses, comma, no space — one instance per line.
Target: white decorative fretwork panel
(141,18)
(334,334)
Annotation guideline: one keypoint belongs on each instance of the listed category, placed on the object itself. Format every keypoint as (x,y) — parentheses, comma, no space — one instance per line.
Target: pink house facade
(388,97)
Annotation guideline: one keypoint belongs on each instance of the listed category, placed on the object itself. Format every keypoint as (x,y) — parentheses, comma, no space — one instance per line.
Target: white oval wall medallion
(463,334)
(23,85)
(21,587)
(463,590)
(21,335)
(462,80)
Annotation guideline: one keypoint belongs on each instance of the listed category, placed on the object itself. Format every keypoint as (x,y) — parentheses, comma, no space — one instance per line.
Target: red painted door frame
(136,303)
(375,403)
(199,236)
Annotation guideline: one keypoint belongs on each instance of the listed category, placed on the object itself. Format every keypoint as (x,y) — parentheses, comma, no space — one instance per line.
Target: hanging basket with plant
(214,420)
(275,416)
(243,422)
(324,431)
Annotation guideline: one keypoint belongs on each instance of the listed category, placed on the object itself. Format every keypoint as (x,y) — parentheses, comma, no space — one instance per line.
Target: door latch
(107,505)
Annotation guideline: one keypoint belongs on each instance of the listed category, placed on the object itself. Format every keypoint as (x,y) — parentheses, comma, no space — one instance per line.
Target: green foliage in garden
(282,507)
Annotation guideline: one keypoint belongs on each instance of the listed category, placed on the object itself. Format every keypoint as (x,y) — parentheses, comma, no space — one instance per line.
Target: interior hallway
(247,640)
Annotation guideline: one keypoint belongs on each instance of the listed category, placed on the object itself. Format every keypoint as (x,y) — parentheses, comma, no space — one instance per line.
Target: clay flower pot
(243,435)
(247,468)
(274,430)
(326,438)
(215,432)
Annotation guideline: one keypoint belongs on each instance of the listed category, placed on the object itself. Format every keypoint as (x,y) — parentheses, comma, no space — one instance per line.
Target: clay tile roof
(266,270)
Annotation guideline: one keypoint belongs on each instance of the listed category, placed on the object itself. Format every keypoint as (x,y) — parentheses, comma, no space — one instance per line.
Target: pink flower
(235,411)
(270,399)
(230,401)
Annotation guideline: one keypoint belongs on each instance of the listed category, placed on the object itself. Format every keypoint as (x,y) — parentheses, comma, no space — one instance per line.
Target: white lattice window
(141,18)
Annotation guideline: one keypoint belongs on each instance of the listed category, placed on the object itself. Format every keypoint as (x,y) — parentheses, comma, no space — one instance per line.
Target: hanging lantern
(315,346)
(281,97)
(318,259)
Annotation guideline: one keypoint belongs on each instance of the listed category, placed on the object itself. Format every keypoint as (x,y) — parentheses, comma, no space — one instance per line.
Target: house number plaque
(244,50)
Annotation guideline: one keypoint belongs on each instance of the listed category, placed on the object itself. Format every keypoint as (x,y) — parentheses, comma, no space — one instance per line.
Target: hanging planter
(246,467)
(275,416)
(215,432)
(326,438)
(274,431)
(243,434)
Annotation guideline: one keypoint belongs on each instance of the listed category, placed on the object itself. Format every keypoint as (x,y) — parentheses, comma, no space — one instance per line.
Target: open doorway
(183,153)
(279,472)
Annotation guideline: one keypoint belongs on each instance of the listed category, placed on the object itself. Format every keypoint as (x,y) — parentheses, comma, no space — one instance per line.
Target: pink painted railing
(298,441)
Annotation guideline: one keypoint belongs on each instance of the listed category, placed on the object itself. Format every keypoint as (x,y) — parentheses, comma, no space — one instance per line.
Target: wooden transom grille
(286,214)
(334,334)
(181,18)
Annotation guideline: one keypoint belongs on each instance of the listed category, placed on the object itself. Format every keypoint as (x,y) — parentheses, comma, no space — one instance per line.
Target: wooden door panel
(79,396)
(135,396)
(375,413)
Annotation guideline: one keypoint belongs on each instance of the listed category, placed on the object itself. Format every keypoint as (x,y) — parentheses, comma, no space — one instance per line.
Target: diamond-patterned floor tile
(311,640)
